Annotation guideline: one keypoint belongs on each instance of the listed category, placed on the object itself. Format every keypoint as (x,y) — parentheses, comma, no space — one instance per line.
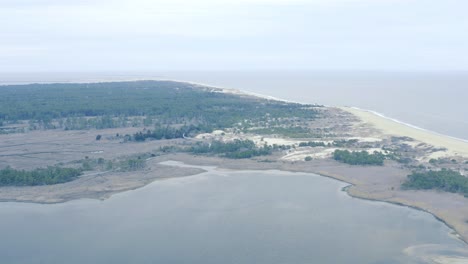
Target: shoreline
(448,146)
(346,189)
(457,234)
(343,189)
(201,168)
(406,124)
(349,191)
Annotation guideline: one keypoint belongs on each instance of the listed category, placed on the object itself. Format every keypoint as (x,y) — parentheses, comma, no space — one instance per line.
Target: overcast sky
(155,35)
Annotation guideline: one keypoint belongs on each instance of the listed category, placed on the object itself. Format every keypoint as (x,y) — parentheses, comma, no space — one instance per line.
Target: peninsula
(60,142)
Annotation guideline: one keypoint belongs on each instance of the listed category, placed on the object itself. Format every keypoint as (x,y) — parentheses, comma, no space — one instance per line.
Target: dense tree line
(168,132)
(42,176)
(237,149)
(312,144)
(359,157)
(167,102)
(444,180)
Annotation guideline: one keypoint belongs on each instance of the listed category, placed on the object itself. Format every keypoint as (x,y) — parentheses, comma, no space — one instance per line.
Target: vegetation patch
(43,176)
(110,105)
(359,157)
(133,163)
(345,143)
(171,133)
(444,180)
(237,149)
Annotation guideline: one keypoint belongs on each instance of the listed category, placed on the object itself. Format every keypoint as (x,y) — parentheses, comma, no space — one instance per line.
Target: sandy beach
(455,147)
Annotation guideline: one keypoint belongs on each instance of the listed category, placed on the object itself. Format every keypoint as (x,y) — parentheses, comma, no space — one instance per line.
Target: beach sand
(455,147)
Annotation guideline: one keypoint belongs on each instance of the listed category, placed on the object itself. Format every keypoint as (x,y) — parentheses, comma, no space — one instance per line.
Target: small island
(61,142)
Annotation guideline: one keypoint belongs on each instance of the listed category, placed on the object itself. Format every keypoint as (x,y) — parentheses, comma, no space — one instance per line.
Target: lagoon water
(224,217)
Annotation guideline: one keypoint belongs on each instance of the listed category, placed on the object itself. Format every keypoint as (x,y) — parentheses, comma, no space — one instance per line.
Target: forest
(359,157)
(312,144)
(237,149)
(168,132)
(443,180)
(108,105)
(41,176)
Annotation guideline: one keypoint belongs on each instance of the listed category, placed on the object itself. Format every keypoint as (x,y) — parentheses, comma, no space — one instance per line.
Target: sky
(181,35)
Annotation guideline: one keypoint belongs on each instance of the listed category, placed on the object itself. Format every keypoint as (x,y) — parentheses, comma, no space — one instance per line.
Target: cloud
(138,18)
(20,51)
(216,33)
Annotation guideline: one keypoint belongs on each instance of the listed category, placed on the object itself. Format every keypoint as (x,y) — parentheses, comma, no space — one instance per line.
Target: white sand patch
(434,155)
(218,132)
(204,136)
(315,153)
(455,147)
(217,135)
(259,140)
(372,150)
(414,144)
(438,155)
(365,139)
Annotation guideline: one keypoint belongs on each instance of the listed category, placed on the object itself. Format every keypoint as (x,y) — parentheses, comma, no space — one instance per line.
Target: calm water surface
(223,217)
